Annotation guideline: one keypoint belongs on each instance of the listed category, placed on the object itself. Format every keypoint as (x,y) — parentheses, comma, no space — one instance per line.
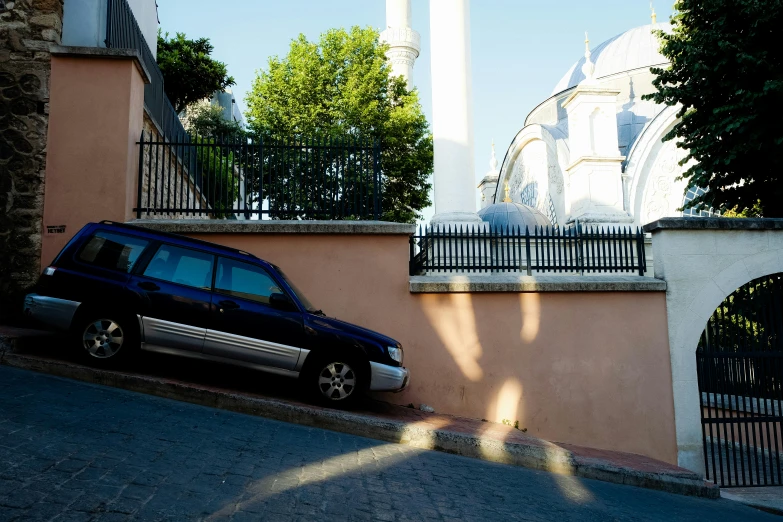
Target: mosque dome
(502,215)
(634,49)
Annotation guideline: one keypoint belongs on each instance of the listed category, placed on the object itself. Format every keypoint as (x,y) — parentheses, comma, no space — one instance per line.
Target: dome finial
(654,16)
(507,199)
(493,161)
(588,68)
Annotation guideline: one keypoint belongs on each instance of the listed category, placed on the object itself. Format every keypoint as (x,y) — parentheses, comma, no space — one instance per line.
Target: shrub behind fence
(238,177)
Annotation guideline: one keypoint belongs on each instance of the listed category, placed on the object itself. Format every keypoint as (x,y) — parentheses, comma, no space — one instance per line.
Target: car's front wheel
(337,380)
(106,338)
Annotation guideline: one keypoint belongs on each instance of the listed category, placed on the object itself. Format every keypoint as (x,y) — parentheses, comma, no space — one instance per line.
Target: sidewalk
(769,499)
(374,419)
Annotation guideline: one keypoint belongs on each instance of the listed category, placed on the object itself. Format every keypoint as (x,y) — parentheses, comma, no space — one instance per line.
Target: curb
(538,454)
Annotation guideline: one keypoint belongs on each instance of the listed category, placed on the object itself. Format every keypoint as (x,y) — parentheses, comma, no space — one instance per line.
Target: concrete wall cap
(219,226)
(548,283)
(103,52)
(713,223)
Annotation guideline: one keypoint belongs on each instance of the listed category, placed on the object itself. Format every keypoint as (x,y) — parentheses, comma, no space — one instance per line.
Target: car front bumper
(388,378)
(50,311)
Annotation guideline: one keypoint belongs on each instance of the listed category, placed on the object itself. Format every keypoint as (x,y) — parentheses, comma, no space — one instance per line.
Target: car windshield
(302,299)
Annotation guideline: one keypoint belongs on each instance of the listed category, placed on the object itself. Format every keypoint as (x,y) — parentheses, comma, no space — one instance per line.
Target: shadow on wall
(564,366)
(589,369)
(453,318)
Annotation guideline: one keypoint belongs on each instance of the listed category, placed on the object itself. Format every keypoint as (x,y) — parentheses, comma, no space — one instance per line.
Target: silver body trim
(254,351)
(51,311)
(206,357)
(388,378)
(302,356)
(174,335)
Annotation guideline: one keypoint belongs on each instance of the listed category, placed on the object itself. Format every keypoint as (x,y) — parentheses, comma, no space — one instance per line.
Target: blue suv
(119,288)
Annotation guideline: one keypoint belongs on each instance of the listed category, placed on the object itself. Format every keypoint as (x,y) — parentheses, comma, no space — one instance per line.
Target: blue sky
(520,48)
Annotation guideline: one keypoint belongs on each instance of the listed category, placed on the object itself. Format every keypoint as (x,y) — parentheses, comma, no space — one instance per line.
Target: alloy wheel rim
(103,338)
(337,381)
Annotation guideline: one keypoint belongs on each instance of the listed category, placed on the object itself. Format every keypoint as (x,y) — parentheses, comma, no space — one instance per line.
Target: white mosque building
(594,150)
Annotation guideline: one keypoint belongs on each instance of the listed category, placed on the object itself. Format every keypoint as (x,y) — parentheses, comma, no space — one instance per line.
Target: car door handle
(147,285)
(227,305)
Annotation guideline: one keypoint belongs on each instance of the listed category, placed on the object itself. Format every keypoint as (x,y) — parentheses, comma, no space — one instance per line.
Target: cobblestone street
(75,451)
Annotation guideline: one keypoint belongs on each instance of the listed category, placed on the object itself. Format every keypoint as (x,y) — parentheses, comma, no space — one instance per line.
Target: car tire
(337,381)
(106,338)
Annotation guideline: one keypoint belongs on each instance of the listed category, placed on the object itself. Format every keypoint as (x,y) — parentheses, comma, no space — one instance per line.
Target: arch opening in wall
(739,362)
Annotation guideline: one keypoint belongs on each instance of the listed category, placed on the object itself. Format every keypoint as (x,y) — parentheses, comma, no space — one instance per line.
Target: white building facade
(594,150)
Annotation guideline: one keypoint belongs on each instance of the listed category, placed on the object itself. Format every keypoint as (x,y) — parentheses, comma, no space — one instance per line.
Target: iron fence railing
(123,32)
(240,177)
(739,363)
(576,249)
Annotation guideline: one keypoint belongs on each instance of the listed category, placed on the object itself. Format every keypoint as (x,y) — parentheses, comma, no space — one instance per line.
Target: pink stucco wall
(95,119)
(586,368)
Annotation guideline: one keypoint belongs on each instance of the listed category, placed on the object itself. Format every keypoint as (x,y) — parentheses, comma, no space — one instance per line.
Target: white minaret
(452,112)
(404,42)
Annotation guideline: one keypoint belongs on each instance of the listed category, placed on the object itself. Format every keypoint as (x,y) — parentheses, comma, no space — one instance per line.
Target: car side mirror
(282,302)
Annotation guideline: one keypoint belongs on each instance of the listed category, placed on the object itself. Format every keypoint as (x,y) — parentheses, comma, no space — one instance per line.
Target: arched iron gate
(740,368)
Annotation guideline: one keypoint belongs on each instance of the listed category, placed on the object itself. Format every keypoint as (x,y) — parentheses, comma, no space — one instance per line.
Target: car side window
(113,251)
(244,280)
(182,266)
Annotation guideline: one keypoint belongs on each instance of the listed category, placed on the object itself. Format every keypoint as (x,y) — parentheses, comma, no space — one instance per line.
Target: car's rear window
(113,251)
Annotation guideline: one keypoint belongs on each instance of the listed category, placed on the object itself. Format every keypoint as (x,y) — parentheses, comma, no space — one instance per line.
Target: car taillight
(49,271)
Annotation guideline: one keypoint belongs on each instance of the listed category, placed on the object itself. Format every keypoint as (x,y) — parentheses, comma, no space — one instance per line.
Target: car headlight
(395,352)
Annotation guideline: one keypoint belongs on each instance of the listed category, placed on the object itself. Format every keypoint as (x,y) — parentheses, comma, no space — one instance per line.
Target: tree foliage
(218,165)
(340,88)
(207,120)
(726,75)
(189,73)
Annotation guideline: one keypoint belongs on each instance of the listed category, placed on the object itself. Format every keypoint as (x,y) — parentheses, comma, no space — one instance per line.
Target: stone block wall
(27,29)
(171,185)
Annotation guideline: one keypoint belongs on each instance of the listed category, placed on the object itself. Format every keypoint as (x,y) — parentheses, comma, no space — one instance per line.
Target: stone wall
(172,186)
(27,29)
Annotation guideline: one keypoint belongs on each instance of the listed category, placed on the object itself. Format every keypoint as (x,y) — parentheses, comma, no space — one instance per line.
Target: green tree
(222,175)
(726,75)
(338,88)
(207,120)
(220,168)
(189,73)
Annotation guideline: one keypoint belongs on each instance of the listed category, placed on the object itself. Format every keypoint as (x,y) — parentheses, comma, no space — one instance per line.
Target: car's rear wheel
(337,381)
(106,338)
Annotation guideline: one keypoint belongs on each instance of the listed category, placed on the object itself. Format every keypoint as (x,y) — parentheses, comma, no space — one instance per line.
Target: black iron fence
(576,249)
(244,178)
(122,32)
(740,373)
